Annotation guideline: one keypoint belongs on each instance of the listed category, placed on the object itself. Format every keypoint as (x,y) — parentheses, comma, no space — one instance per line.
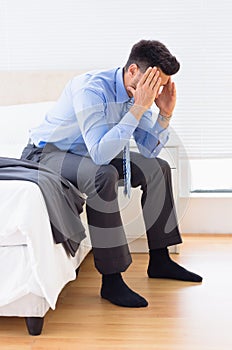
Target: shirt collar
(121,93)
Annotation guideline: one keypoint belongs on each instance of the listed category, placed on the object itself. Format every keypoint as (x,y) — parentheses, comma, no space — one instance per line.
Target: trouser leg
(100,184)
(154,177)
(157,202)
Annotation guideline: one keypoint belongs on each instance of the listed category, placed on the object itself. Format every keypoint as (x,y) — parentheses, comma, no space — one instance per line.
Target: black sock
(117,292)
(161,266)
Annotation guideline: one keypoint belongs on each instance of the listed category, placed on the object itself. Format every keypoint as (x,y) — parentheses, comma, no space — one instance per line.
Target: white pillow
(15,122)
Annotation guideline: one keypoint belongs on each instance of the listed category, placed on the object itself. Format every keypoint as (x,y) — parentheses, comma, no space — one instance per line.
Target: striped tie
(126,160)
(126,170)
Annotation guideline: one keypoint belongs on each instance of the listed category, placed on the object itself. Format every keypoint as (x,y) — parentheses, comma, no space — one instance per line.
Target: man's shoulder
(96,80)
(97,74)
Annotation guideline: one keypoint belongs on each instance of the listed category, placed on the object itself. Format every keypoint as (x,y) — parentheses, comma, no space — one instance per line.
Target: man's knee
(106,182)
(164,165)
(155,166)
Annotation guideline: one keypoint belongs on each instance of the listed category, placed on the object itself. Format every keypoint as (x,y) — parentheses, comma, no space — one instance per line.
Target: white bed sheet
(43,267)
(30,305)
(20,292)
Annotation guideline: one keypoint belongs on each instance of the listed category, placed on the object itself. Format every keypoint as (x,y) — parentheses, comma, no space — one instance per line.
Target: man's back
(94,89)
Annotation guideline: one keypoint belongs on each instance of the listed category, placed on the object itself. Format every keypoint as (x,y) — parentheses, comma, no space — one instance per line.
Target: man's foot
(117,292)
(161,266)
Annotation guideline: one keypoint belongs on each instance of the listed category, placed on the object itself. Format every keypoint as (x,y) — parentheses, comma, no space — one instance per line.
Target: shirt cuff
(160,133)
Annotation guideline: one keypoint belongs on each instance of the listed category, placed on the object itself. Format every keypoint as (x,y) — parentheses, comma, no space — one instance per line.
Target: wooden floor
(180,315)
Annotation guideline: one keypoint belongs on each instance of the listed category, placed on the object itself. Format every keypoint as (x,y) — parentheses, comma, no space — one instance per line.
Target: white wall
(89,34)
(77,34)
(206,215)
(203,212)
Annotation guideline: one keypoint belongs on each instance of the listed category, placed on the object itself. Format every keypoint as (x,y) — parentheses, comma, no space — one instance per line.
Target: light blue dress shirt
(90,119)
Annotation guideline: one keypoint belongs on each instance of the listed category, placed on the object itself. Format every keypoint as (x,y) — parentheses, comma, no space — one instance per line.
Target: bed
(26,290)
(29,258)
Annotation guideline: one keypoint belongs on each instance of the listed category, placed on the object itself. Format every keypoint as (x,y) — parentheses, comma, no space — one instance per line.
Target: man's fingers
(156,87)
(152,77)
(145,75)
(131,90)
(170,84)
(173,89)
(156,80)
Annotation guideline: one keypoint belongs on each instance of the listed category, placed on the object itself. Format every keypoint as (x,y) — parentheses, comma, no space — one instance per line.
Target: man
(85,137)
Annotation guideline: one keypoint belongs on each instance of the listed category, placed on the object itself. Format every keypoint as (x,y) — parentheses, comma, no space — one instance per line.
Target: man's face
(138,75)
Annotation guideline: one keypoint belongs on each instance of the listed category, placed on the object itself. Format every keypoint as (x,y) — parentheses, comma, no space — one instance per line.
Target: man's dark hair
(150,53)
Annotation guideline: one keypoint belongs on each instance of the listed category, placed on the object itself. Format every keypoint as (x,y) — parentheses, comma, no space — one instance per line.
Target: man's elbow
(149,152)
(98,159)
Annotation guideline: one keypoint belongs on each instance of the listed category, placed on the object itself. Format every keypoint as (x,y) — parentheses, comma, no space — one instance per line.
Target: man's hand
(166,100)
(147,88)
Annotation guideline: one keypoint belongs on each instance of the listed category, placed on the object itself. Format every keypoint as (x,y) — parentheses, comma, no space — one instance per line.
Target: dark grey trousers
(100,184)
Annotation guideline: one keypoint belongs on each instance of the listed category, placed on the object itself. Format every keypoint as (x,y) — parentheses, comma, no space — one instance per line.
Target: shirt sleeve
(103,140)
(150,137)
